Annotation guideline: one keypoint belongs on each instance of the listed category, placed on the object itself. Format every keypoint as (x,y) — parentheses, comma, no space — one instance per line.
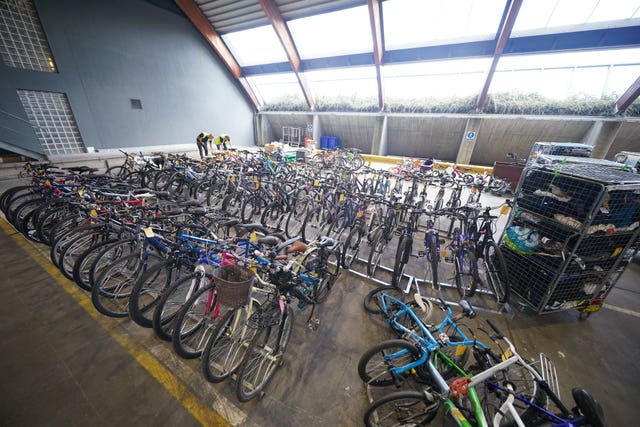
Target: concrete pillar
(601,136)
(263,134)
(317,130)
(468,143)
(379,141)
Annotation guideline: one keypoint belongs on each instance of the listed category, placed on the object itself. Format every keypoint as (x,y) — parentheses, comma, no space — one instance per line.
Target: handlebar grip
(495,328)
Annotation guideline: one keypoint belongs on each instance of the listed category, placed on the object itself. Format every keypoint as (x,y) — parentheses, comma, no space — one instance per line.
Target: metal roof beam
(502,39)
(282,31)
(628,96)
(377,35)
(195,15)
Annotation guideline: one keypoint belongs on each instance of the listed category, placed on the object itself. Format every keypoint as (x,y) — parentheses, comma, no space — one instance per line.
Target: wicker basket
(233,285)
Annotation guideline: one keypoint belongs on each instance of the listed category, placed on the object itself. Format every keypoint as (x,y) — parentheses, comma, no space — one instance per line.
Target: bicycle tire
(295,218)
(466,273)
(77,247)
(374,366)
(252,208)
(227,347)
(148,290)
(406,407)
(351,246)
(110,294)
(172,301)
(378,245)
(403,254)
(371,304)
(434,261)
(496,271)
(254,375)
(313,225)
(82,267)
(195,321)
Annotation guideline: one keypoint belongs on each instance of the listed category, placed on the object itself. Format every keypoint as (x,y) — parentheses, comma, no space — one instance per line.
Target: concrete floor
(63,364)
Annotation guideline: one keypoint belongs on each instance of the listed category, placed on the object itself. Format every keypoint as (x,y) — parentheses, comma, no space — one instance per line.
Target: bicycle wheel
(119,172)
(352,246)
(225,351)
(371,302)
(195,321)
(252,208)
(110,294)
(273,216)
(148,290)
(265,353)
(323,265)
(401,408)
(495,269)
(524,385)
(172,301)
(295,218)
(82,267)
(377,248)
(466,272)
(403,253)
(314,225)
(231,204)
(433,258)
(376,364)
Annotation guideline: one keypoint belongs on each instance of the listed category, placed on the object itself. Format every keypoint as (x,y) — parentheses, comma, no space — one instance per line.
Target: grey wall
(439,136)
(110,51)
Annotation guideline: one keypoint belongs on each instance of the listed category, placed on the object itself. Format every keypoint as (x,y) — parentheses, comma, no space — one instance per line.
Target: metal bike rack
(504,308)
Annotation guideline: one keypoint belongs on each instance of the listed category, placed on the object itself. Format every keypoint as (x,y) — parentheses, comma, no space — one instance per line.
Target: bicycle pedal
(448,259)
(421,254)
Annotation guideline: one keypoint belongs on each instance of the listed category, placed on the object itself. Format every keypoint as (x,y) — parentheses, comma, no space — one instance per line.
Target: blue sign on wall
(471,135)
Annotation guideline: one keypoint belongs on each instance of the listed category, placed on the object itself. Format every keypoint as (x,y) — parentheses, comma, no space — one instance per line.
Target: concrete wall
(440,136)
(111,51)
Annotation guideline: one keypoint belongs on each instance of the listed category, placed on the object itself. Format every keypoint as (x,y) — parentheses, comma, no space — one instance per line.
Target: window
(255,46)
(50,115)
(275,88)
(416,23)
(356,83)
(435,79)
(342,32)
(543,14)
(22,41)
(561,75)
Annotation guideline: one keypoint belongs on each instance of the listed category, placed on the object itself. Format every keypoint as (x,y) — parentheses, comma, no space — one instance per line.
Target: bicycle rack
(502,308)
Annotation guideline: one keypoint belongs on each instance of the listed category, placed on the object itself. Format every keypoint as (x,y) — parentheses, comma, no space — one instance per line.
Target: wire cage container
(572,232)
(233,285)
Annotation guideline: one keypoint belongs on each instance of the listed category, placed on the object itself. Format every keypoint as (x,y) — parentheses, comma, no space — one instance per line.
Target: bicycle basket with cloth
(233,285)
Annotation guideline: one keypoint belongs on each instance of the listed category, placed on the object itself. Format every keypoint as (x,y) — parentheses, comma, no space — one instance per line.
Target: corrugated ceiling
(234,15)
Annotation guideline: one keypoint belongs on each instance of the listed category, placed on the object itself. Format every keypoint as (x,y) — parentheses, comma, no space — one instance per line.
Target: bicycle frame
(429,347)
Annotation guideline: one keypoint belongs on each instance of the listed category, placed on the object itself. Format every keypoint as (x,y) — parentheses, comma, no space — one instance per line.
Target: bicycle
(492,267)
(422,356)
(463,254)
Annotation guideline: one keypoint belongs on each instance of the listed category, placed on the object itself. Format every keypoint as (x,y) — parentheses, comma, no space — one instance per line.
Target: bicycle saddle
(326,241)
(588,407)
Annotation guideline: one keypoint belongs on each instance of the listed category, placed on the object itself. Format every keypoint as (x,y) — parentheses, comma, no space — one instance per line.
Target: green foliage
(499,103)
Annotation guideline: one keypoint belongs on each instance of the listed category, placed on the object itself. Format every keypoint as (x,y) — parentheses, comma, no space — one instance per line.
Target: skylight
(415,23)
(544,14)
(336,33)
(255,46)
(355,83)
(272,88)
(435,79)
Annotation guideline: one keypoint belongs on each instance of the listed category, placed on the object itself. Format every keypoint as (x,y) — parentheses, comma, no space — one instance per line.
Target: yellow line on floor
(201,412)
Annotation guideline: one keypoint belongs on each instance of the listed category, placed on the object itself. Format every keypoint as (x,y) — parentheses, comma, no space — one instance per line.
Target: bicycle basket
(233,285)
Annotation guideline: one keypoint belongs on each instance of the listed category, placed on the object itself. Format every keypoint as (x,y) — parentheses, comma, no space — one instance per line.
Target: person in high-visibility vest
(202,140)
(221,141)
